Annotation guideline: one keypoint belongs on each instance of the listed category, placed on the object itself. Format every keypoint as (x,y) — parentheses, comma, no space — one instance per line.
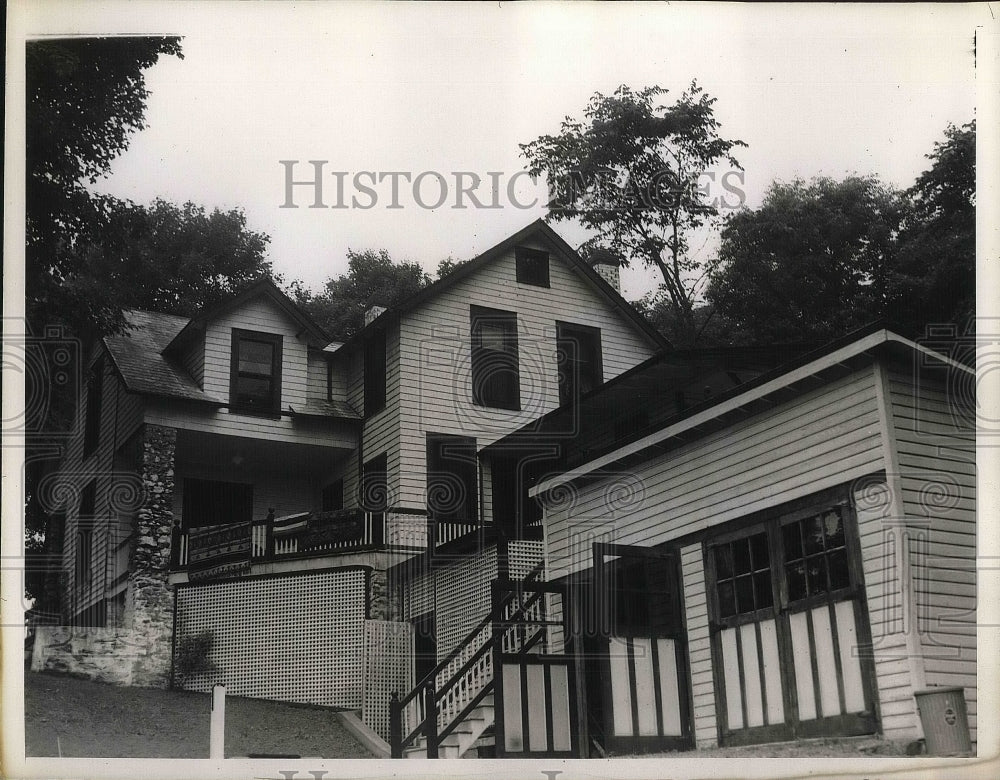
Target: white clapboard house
(507,517)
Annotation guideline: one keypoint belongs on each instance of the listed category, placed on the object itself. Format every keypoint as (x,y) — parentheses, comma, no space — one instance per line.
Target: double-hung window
(495,375)
(580,365)
(255,382)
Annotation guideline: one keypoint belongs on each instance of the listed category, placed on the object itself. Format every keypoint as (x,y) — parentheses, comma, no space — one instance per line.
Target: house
(237,475)
(790,557)
(506,516)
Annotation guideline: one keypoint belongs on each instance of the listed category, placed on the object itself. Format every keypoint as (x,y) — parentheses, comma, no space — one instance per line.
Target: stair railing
(456,686)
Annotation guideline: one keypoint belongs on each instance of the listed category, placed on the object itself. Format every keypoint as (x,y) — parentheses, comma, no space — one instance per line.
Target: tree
(933,279)
(810,263)
(85,99)
(819,259)
(372,279)
(448,265)
(630,172)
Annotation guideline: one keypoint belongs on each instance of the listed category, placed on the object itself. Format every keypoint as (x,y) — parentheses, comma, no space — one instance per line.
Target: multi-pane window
(642,601)
(495,371)
(532,266)
(579,357)
(815,555)
(743,575)
(255,385)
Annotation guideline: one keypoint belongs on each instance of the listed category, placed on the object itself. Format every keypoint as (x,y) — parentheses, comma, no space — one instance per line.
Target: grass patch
(86,719)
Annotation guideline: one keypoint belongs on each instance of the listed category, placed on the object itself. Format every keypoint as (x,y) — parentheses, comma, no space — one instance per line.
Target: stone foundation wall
(110,655)
(384,601)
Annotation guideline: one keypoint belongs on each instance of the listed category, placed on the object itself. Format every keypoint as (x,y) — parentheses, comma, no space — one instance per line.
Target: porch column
(149,609)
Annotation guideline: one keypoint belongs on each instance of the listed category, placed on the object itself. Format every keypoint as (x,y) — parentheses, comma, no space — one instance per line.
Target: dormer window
(532,266)
(255,383)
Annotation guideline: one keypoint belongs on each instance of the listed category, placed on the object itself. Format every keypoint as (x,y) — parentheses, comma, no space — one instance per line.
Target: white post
(217,736)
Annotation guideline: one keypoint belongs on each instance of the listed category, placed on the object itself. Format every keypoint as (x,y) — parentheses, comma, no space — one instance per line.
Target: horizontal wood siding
(935,440)
(881,541)
(825,437)
(353,367)
(263,316)
(435,357)
(382,430)
(316,375)
(121,417)
(699,646)
(193,359)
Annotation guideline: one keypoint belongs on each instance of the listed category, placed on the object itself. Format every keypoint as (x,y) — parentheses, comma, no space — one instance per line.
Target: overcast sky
(813,90)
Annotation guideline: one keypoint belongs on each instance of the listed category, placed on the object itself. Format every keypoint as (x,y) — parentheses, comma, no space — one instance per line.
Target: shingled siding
(933,426)
(435,357)
(116,494)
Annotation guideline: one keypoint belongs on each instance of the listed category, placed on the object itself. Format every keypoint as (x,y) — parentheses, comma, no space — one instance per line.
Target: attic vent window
(532,266)
(255,382)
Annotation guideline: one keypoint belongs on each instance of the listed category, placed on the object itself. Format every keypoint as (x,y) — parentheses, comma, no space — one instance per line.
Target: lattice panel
(288,638)
(463,598)
(388,668)
(524,555)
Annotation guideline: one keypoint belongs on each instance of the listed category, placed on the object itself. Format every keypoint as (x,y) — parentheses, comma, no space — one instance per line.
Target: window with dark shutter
(255,375)
(580,362)
(495,375)
(532,266)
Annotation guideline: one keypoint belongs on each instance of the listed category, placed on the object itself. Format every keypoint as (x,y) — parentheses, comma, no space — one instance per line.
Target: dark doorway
(424,645)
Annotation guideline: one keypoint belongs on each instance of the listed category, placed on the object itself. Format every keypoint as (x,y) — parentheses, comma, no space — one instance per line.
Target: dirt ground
(847,747)
(86,719)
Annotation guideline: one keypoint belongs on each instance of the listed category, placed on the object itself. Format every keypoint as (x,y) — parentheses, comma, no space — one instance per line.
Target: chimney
(372,314)
(607,264)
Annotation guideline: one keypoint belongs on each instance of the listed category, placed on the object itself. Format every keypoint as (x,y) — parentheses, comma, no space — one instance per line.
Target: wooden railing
(275,538)
(459,683)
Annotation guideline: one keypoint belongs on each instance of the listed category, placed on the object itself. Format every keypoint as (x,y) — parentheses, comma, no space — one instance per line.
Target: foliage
(810,262)
(448,265)
(85,99)
(191,656)
(372,279)
(934,277)
(630,173)
(822,258)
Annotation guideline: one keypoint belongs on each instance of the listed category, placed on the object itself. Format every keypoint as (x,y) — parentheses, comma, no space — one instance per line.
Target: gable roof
(138,357)
(536,228)
(262,287)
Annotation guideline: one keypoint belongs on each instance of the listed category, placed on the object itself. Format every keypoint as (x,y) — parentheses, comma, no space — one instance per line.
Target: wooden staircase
(463,737)
(447,712)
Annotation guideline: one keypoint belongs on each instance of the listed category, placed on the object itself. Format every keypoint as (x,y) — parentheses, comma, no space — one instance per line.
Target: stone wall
(384,601)
(110,655)
(149,605)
